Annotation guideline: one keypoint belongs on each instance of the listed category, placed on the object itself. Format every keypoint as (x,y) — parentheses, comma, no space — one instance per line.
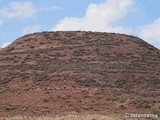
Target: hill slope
(59,72)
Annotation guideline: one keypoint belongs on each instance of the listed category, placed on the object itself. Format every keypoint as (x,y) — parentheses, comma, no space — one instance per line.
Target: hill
(83,72)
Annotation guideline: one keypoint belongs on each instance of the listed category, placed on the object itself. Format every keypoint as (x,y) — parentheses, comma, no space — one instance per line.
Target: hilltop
(82,72)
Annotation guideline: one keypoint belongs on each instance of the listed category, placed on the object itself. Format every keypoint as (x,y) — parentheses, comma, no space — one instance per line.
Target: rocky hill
(82,72)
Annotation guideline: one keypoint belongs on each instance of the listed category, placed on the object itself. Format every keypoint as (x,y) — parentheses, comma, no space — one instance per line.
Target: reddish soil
(93,72)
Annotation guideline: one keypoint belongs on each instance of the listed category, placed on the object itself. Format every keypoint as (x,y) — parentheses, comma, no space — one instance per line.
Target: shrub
(10,49)
(45,100)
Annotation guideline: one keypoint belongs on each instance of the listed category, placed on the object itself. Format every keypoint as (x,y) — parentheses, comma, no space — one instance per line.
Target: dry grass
(67,117)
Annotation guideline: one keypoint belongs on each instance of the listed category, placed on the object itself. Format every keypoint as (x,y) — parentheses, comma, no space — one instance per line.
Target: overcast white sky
(135,17)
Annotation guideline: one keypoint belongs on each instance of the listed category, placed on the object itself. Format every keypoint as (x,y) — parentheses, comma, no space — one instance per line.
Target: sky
(134,17)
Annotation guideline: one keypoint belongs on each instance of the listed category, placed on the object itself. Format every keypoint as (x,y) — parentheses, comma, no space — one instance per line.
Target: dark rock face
(78,71)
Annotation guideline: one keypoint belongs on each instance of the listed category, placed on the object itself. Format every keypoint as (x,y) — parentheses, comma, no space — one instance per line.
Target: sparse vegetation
(140,103)
(67,117)
(81,72)
(45,100)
